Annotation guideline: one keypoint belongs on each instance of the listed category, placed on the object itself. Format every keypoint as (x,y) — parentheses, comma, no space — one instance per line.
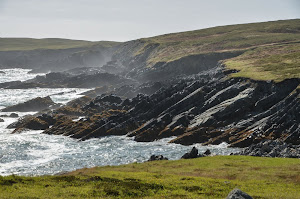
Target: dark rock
(49,119)
(14,115)
(272,148)
(192,154)
(29,122)
(1,120)
(200,108)
(157,157)
(36,104)
(238,194)
(207,152)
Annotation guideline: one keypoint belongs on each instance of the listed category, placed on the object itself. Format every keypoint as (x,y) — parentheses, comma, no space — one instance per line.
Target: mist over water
(33,153)
(17,74)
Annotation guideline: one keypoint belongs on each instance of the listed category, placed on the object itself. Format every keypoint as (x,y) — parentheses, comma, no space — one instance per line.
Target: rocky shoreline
(206,108)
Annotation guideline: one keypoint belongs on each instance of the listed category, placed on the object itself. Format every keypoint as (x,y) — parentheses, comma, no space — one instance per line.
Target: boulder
(192,154)
(238,194)
(1,120)
(157,157)
(207,152)
(14,115)
(36,104)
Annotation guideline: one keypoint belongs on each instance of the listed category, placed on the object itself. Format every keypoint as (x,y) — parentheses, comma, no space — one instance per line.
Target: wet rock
(29,122)
(202,108)
(238,194)
(192,154)
(36,104)
(207,152)
(157,157)
(14,115)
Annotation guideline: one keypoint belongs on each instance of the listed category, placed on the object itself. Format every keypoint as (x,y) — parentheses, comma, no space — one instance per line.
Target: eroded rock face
(36,104)
(207,108)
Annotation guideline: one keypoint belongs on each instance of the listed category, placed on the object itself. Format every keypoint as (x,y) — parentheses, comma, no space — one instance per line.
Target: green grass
(12,44)
(209,177)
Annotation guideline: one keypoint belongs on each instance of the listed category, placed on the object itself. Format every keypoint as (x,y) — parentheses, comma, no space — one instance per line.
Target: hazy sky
(122,20)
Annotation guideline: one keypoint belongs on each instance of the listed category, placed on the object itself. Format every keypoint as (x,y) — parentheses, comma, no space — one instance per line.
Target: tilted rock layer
(205,108)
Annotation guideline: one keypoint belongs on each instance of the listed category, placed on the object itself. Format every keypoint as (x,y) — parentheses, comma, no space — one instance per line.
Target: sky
(124,20)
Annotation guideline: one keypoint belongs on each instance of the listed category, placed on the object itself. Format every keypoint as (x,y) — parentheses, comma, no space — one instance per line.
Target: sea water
(34,153)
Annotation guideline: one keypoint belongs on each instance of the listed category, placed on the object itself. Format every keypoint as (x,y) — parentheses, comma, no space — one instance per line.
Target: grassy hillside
(277,62)
(209,177)
(223,38)
(11,44)
(271,49)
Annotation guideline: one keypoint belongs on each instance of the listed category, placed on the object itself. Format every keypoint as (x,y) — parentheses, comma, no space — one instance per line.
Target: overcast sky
(123,20)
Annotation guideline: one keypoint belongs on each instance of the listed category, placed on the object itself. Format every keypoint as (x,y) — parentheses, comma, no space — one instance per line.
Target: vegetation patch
(207,177)
(277,62)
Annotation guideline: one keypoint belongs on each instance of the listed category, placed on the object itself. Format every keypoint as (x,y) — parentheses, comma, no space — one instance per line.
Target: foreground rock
(36,104)
(194,154)
(157,157)
(272,148)
(238,194)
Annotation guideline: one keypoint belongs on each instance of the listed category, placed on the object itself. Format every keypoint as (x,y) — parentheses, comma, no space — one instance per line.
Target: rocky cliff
(180,85)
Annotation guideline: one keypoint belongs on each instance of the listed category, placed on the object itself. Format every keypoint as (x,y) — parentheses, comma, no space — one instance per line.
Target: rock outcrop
(66,80)
(206,108)
(29,122)
(157,157)
(272,148)
(36,104)
(194,154)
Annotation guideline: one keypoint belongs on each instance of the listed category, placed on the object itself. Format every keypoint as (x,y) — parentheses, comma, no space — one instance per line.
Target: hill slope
(17,44)
(195,51)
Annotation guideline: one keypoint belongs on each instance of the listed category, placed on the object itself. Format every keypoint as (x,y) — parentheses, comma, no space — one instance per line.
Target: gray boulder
(238,194)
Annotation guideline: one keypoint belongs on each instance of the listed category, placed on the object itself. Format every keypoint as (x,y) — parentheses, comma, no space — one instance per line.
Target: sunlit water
(34,153)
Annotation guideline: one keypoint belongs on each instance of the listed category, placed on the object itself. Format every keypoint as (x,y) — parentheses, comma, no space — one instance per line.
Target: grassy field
(11,44)
(209,177)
